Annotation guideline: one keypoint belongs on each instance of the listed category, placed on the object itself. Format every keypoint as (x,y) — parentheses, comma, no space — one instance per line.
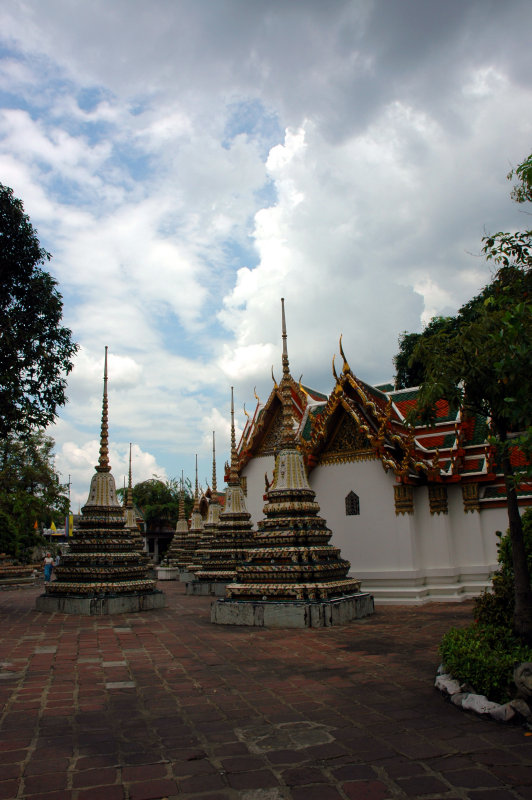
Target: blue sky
(187,164)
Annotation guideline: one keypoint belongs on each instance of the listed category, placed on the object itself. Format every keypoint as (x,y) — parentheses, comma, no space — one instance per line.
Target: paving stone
(422,784)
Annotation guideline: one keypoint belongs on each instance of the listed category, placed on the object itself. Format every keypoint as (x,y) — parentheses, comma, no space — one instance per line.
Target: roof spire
(103,461)
(129,493)
(288,438)
(213,464)
(233,472)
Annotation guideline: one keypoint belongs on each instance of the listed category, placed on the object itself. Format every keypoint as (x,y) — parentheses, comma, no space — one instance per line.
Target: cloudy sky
(189,162)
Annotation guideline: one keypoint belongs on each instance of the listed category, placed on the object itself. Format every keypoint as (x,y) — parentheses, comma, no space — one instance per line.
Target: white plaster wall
(254,472)
(433,534)
(376,539)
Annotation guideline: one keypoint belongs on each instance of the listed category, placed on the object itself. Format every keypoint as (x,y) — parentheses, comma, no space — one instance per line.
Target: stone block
(270,614)
(186,576)
(99,606)
(204,588)
(167,573)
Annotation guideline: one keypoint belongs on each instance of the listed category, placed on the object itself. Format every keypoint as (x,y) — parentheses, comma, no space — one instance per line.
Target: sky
(190,162)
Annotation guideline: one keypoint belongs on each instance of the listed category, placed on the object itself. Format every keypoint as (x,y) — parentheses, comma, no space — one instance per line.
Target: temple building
(104,571)
(292,576)
(415,510)
(233,536)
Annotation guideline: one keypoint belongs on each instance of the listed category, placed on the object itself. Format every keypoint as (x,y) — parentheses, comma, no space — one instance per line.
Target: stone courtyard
(165,705)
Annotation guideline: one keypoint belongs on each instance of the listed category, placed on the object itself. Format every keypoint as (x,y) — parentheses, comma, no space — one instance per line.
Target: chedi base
(100,606)
(275,614)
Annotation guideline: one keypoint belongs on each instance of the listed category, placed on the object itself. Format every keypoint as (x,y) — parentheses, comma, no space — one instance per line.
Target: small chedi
(131,516)
(210,525)
(177,554)
(234,535)
(293,577)
(104,571)
(195,532)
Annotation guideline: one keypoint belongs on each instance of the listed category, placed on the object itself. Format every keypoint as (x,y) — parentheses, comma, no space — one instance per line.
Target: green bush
(484,657)
(496,607)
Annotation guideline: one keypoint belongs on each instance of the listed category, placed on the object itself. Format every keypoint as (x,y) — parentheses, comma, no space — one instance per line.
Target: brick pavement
(165,705)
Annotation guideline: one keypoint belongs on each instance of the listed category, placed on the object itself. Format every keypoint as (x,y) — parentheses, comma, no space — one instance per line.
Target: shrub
(484,657)
(496,607)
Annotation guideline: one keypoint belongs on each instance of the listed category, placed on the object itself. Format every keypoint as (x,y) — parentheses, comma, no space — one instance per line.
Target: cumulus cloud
(189,165)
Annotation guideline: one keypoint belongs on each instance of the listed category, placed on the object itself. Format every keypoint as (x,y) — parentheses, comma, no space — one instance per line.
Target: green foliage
(30,492)
(484,657)
(410,370)
(496,607)
(159,500)
(35,350)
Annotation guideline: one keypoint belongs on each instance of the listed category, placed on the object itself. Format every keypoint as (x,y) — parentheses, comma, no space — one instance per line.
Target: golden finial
(233,472)
(273,378)
(245,412)
(257,398)
(346,367)
(103,461)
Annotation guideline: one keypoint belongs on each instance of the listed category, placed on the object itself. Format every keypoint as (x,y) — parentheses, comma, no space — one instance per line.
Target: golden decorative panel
(438,499)
(470,497)
(403,498)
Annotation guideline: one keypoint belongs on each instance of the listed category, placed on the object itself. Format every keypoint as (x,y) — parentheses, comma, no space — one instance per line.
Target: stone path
(165,705)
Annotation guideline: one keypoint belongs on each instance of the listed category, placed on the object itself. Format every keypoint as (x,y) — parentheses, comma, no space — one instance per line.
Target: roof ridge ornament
(275,384)
(335,375)
(257,398)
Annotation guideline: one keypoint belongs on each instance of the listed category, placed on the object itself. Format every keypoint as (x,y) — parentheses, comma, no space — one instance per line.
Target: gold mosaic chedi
(234,533)
(104,558)
(291,558)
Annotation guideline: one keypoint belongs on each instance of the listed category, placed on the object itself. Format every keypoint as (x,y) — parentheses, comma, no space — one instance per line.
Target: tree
(30,492)
(481,363)
(410,371)
(35,350)
(159,500)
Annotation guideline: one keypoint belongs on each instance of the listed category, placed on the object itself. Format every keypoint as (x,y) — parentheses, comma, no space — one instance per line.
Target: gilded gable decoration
(471,497)
(272,441)
(438,499)
(348,443)
(403,498)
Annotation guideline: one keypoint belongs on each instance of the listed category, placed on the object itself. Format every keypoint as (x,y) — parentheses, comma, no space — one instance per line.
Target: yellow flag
(52,526)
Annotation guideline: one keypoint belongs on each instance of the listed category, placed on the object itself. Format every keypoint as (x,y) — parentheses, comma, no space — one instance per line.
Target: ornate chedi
(293,576)
(104,572)
(177,554)
(213,515)
(234,535)
(195,531)
(131,516)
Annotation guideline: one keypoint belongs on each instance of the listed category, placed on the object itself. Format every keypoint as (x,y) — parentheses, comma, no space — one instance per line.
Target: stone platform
(167,573)
(185,576)
(99,606)
(203,588)
(271,614)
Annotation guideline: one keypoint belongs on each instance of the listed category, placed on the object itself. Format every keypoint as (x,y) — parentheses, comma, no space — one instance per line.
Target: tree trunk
(522,590)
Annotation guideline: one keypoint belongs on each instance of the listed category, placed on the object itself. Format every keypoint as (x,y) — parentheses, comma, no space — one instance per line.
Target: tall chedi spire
(104,571)
(234,535)
(293,577)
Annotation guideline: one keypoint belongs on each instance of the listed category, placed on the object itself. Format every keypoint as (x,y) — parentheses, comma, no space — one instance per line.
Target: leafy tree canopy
(35,349)
(480,361)
(30,492)
(159,500)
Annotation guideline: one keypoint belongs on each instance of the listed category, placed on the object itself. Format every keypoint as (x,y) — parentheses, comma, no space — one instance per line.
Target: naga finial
(257,398)
(302,388)
(275,384)
(245,412)
(346,367)
(334,368)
